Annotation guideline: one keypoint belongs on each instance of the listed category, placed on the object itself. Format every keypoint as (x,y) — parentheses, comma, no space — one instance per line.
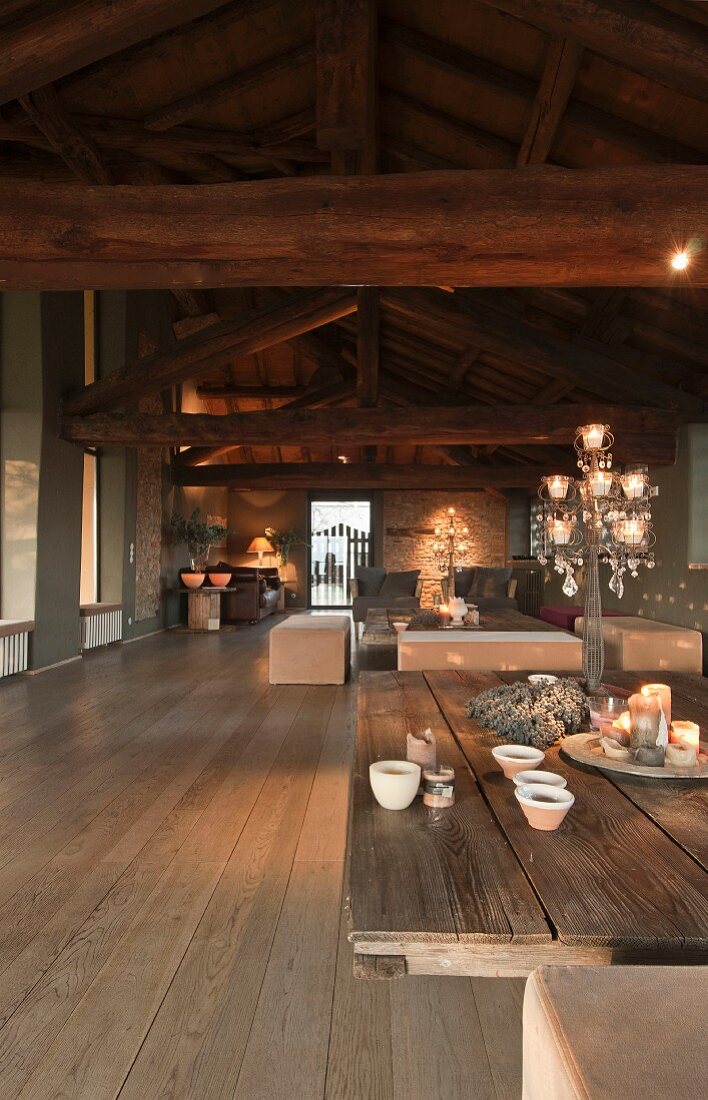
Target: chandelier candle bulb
(664,693)
(593,437)
(600,483)
(439,787)
(558,486)
(688,733)
(561,531)
(632,486)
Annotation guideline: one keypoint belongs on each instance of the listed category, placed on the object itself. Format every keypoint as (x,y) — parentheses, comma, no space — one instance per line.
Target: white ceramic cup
(544,806)
(395,783)
(551,779)
(517,758)
(399,627)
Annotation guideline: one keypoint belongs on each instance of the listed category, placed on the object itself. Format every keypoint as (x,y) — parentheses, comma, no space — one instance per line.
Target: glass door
(340,539)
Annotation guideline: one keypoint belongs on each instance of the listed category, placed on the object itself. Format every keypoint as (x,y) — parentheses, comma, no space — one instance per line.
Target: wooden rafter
(360,476)
(260,328)
(65,135)
(188,106)
(493,228)
(511,338)
(367,386)
(483,424)
(638,35)
(559,72)
(69,36)
(220,393)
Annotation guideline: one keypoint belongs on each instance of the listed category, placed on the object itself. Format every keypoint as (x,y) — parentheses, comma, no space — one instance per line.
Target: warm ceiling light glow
(679,261)
(342,458)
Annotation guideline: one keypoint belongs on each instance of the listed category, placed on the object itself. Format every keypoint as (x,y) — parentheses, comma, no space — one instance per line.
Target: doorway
(340,539)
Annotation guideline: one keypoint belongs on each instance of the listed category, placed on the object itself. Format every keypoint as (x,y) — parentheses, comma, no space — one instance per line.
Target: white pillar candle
(688,732)
(664,693)
(558,487)
(593,437)
(633,486)
(560,531)
(600,483)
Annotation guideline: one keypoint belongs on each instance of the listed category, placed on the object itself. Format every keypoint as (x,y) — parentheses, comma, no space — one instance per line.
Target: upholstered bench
(601,1032)
(493,650)
(310,649)
(642,645)
(564,615)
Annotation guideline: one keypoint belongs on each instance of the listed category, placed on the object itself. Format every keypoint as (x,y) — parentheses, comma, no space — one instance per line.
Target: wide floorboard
(172,896)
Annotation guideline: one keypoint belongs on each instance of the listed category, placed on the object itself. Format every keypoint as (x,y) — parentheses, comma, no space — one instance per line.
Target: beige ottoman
(310,649)
(642,645)
(616,1032)
(494,651)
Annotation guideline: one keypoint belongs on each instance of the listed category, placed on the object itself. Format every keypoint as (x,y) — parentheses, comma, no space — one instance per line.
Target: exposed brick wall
(410,518)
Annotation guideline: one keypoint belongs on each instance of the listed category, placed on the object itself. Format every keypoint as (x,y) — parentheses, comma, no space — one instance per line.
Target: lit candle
(560,531)
(664,693)
(600,483)
(623,722)
(451,511)
(688,732)
(558,487)
(593,437)
(649,734)
(633,486)
(444,611)
(632,532)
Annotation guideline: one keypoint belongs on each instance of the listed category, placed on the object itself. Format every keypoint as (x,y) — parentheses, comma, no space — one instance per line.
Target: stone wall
(410,518)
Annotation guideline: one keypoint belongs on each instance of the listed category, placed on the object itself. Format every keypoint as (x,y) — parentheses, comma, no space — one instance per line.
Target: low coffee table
(379,630)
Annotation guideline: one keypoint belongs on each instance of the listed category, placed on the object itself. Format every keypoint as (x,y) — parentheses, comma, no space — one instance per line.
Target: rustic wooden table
(379,631)
(473,890)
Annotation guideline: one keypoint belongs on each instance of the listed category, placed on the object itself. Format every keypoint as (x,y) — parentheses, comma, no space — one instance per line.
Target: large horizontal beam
(258,329)
(540,227)
(368,475)
(472,424)
(70,36)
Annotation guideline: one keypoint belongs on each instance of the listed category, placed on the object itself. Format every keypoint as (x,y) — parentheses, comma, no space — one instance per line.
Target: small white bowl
(544,806)
(521,779)
(541,678)
(515,758)
(399,627)
(395,783)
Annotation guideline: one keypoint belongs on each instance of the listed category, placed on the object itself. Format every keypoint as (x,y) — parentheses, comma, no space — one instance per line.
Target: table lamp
(260,546)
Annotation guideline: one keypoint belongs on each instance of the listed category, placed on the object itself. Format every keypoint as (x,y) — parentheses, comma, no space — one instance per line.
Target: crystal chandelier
(450,545)
(600,516)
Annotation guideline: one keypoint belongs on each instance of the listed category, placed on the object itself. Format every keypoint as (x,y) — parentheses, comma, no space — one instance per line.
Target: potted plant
(282,542)
(199,537)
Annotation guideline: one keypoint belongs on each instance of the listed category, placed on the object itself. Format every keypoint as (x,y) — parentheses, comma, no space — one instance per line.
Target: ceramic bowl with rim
(544,806)
(541,679)
(193,580)
(515,758)
(219,580)
(551,778)
(400,627)
(395,783)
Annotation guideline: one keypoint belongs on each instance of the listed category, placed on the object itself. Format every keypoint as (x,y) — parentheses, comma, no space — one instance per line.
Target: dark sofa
(373,587)
(256,593)
(489,587)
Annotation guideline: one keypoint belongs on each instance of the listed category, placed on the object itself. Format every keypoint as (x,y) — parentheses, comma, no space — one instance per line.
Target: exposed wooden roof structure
(512,178)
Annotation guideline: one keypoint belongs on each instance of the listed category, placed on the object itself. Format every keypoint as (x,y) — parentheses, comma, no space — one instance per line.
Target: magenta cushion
(564,616)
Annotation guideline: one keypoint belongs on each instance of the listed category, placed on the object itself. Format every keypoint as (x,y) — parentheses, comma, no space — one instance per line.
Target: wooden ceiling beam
(195,104)
(636,36)
(555,89)
(69,36)
(367,385)
(507,83)
(223,393)
(257,330)
(493,228)
(65,135)
(480,424)
(350,475)
(512,338)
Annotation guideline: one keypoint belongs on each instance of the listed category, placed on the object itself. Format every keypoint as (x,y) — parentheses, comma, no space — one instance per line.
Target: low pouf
(310,649)
(615,1033)
(643,645)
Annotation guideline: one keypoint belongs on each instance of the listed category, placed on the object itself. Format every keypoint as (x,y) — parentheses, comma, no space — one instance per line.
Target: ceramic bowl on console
(219,580)
(193,580)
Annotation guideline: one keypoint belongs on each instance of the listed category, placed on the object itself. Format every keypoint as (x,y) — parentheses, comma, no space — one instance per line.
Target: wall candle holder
(600,516)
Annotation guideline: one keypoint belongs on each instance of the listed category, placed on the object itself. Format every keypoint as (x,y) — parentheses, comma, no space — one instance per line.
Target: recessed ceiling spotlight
(680,260)
(342,458)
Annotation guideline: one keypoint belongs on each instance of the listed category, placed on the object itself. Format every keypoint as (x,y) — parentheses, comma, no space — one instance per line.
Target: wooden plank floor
(172,835)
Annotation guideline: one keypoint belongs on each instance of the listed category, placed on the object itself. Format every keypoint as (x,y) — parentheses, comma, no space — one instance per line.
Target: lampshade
(260,545)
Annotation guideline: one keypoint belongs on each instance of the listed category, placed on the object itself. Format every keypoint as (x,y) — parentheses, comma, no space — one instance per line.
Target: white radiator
(101,627)
(13,653)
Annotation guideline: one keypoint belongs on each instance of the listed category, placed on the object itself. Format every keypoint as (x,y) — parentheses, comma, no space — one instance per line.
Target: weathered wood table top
(474,890)
(378,628)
